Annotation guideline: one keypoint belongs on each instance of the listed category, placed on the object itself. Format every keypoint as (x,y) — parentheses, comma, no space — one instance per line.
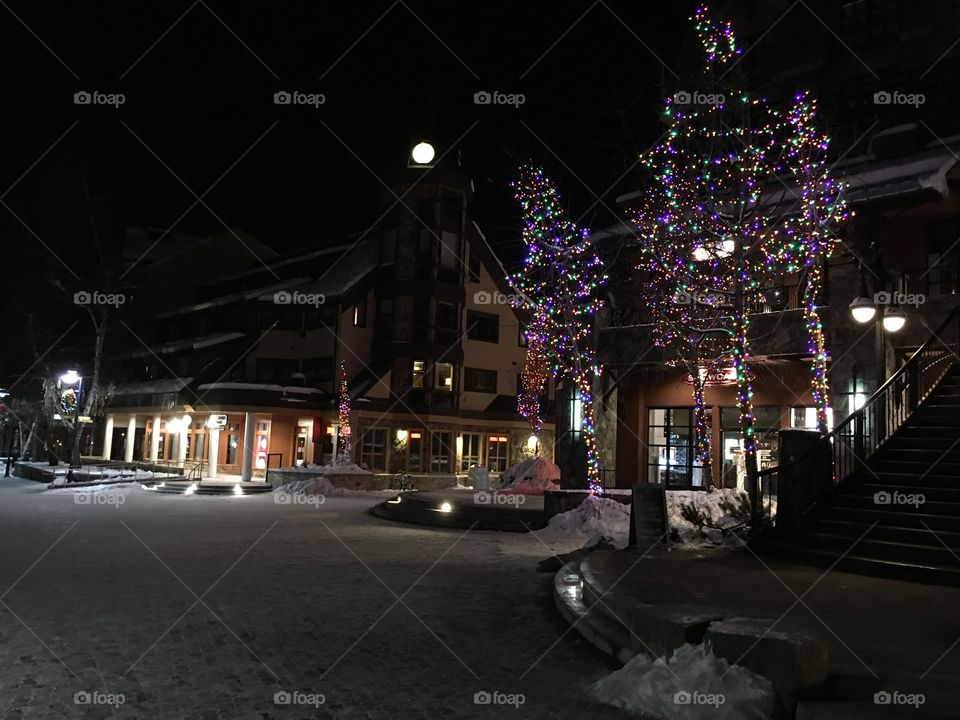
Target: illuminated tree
(343,416)
(558,285)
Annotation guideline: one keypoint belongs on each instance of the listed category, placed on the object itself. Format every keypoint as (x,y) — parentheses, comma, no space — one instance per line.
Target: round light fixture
(894,319)
(863,309)
(423,153)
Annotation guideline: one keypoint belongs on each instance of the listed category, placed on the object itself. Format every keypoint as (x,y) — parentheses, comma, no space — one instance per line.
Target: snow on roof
(346,271)
(262,291)
(266,387)
(153,387)
(192,343)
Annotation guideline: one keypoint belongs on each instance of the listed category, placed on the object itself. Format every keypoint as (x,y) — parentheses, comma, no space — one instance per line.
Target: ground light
(237,490)
(446,507)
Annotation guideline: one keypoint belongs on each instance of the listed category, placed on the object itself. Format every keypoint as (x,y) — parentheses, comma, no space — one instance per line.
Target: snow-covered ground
(692,683)
(345,469)
(599,517)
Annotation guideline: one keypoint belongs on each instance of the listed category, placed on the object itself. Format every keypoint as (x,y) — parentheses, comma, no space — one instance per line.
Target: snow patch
(593,519)
(345,469)
(321,486)
(692,684)
(531,476)
(708,503)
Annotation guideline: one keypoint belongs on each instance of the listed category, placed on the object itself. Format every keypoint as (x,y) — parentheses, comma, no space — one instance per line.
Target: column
(212,451)
(249,440)
(108,438)
(182,445)
(155,439)
(128,441)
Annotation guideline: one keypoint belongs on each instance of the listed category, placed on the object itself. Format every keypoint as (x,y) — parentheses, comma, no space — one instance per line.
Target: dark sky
(391,73)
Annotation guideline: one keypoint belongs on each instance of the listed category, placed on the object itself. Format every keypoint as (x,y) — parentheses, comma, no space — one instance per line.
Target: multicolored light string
(343,415)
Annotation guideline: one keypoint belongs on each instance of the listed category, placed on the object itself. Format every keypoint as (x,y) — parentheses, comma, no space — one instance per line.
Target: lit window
(444,377)
(418,370)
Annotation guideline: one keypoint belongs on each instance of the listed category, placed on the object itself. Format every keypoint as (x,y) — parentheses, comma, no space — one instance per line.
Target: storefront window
(671,450)
(440,452)
(470,450)
(806,418)
(373,446)
(497,453)
(766,422)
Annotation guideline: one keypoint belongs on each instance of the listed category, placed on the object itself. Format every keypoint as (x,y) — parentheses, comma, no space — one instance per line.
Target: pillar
(155,439)
(182,445)
(128,440)
(212,452)
(249,441)
(108,438)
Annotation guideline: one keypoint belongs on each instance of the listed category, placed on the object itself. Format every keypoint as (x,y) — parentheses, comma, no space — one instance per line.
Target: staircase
(893,509)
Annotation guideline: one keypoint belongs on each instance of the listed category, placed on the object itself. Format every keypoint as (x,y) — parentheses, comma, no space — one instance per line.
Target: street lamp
(863,309)
(69,379)
(894,319)
(422,154)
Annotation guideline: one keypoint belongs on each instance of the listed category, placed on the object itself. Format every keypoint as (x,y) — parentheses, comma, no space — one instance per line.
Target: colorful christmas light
(343,415)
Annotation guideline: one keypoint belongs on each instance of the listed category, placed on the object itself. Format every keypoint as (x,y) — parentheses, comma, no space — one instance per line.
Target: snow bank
(531,476)
(708,503)
(598,517)
(114,488)
(345,469)
(321,486)
(595,518)
(692,684)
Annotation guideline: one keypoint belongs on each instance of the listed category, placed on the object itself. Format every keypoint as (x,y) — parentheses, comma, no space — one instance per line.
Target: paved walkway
(876,627)
(206,607)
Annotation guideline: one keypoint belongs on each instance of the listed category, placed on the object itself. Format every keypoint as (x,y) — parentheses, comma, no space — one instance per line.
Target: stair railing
(846,449)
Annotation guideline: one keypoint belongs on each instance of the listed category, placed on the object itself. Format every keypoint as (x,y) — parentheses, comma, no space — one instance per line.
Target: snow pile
(345,469)
(709,504)
(114,488)
(531,476)
(595,518)
(692,683)
(321,486)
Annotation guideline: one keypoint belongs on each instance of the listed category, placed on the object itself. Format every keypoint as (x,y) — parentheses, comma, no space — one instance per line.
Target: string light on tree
(343,415)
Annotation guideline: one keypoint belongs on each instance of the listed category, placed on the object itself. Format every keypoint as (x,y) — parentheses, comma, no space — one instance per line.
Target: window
(373,445)
(418,371)
(478,380)
(806,418)
(766,422)
(448,250)
(671,453)
(444,377)
(440,452)
(483,326)
(470,450)
(521,335)
(497,453)
(360,314)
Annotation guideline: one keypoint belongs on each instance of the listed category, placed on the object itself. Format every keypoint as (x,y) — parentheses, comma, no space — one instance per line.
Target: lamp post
(69,379)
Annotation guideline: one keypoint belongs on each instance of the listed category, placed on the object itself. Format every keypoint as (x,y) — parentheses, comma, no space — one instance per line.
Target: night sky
(202,97)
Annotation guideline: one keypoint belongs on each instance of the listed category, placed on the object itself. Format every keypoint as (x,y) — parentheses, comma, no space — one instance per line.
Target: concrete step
(909,535)
(883,551)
